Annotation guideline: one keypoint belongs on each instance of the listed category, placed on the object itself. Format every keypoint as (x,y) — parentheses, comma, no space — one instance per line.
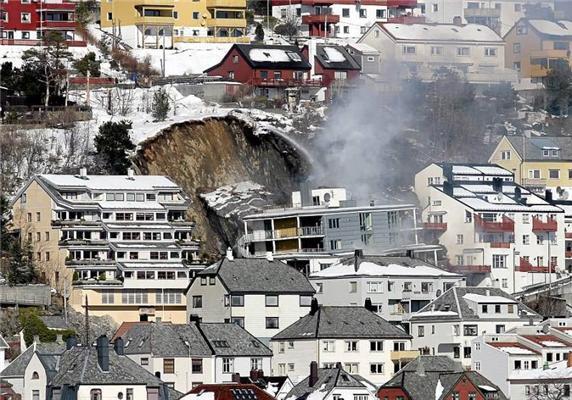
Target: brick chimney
(253,375)
(569,362)
(236,377)
(313,378)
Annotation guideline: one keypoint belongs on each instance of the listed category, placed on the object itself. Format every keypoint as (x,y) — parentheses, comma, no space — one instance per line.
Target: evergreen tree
(259,31)
(112,145)
(88,63)
(160,107)
(21,268)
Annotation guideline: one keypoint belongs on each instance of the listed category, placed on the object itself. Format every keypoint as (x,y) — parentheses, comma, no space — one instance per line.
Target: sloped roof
(18,366)
(269,56)
(531,149)
(562,29)
(228,391)
(441,32)
(335,57)
(109,182)
(231,340)
(255,275)
(3,344)
(341,322)
(453,305)
(328,379)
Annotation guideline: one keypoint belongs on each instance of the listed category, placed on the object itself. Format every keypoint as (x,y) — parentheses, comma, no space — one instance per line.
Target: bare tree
(549,391)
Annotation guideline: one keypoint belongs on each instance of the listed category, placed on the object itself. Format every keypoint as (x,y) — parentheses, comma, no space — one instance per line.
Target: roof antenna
(86,322)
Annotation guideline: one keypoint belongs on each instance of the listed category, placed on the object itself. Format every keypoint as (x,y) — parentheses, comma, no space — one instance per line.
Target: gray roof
(348,64)
(255,275)
(328,379)
(3,343)
(419,378)
(165,340)
(54,321)
(231,340)
(531,148)
(18,366)
(341,322)
(452,300)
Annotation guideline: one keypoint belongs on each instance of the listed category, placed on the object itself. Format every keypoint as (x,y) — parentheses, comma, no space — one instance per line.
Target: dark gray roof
(341,322)
(452,300)
(54,321)
(165,340)
(328,379)
(419,378)
(255,275)
(531,148)
(348,64)
(231,340)
(296,62)
(18,366)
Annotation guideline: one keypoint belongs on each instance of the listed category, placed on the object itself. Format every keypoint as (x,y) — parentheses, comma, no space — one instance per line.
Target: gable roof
(256,275)
(561,29)
(335,57)
(531,149)
(228,391)
(269,56)
(17,367)
(227,339)
(341,322)
(453,305)
(328,379)
(427,32)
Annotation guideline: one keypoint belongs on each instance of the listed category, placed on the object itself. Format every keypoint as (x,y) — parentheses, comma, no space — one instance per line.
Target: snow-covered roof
(110,182)
(369,268)
(552,28)
(515,350)
(324,210)
(273,55)
(478,298)
(559,370)
(334,55)
(363,48)
(442,32)
(436,314)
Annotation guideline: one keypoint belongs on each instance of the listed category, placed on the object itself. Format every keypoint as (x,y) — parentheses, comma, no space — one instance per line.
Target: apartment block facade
(496,232)
(27,22)
(167,22)
(121,242)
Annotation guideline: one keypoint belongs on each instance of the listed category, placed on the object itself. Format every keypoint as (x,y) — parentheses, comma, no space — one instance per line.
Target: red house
(26,22)
(336,67)
(264,67)
(229,391)
(439,378)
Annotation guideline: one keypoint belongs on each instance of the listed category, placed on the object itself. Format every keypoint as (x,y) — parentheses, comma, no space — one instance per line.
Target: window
(561,46)
(109,16)
(504,283)
(228,365)
(456,352)
(526,239)
(380,13)
(107,297)
(168,365)
(38,217)
(435,7)
(25,17)
(237,300)
(351,345)
(500,328)
(505,155)
(271,300)
(420,331)
(129,394)
(255,364)
(306,301)
(470,330)
(497,309)
(374,287)
(436,51)
(499,261)
(516,65)
(281,347)
(346,29)
(490,51)
(144,361)
(333,223)
(525,218)
(408,49)
(197,301)
(376,345)
(477,367)
(517,364)
(94,394)
(554,173)
(272,323)
(376,368)
(463,51)
(235,59)
(196,15)
(328,346)
(345,12)
(534,174)
(238,321)
(484,309)
(353,287)
(459,239)
(363,13)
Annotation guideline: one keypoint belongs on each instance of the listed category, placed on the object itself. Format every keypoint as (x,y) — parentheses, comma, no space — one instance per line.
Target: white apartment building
(521,360)
(499,15)
(186,355)
(122,242)
(476,52)
(447,325)
(262,296)
(394,287)
(363,342)
(495,231)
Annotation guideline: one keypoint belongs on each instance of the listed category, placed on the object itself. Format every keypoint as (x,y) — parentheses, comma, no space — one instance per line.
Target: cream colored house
(121,242)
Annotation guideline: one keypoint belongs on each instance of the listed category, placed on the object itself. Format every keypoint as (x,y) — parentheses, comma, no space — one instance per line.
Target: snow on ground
(188,58)
(13,54)
(239,198)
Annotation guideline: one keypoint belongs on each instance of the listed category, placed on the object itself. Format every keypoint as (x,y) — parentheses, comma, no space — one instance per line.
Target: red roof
(125,327)
(510,344)
(229,391)
(541,339)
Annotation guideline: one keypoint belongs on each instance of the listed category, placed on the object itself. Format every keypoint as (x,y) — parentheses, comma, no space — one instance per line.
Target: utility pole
(164,59)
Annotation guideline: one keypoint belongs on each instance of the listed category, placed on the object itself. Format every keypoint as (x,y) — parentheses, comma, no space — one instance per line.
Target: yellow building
(122,242)
(539,163)
(534,47)
(163,23)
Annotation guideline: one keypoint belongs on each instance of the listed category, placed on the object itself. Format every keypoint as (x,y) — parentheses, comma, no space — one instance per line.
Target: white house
(186,355)
(476,52)
(332,383)
(362,341)
(395,286)
(261,295)
(496,232)
(447,325)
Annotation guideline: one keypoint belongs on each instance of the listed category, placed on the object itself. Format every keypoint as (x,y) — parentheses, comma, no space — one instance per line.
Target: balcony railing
(310,231)
(526,266)
(320,19)
(401,3)
(538,225)
(285,82)
(500,245)
(47,24)
(404,355)
(435,226)
(482,12)
(470,269)
(507,225)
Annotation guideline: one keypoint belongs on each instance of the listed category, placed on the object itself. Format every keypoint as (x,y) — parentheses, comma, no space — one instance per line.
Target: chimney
(59,339)
(195,318)
(517,194)
(358,255)
(236,377)
(305,194)
(83,172)
(229,255)
(36,339)
(313,378)
(339,365)
(102,346)
(548,196)
(130,172)
(71,342)
(569,361)
(253,375)
(368,304)
(260,374)
(487,292)
(448,188)
(269,256)
(457,20)
(119,346)
(314,306)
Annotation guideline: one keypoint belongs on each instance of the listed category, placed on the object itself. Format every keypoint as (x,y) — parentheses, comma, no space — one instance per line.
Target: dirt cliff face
(201,156)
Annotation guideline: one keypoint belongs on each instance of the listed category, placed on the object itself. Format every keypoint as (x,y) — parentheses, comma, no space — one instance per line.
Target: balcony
(482,13)
(500,245)
(568,254)
(320,19)
(507,225)
(285,82)
(404,355)
(406,19)
(226,22)
(50,24)
(311,231)
(540,226)
(286,233)
(435,226)
(90,262)
(526,266)
(226,4)
(74,222)
(401,3)
(155,3)
(470,269)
